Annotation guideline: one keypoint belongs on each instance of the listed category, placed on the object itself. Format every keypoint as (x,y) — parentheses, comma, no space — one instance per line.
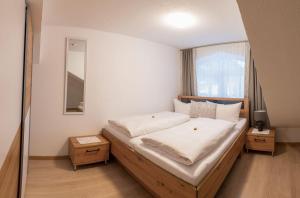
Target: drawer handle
(259,140)
(94,150)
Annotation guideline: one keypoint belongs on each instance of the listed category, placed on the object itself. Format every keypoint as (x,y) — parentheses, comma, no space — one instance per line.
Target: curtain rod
(214,44)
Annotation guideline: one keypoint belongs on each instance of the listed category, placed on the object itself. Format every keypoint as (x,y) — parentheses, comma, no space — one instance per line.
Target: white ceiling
(217,20)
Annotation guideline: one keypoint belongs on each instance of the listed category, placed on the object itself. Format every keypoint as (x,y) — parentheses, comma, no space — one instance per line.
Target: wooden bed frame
(162,183)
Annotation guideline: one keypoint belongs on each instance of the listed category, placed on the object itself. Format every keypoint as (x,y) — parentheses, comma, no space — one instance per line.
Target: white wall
(125,76)
(12,21)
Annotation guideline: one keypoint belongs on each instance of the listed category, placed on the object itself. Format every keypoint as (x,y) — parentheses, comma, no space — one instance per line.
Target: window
(220,70)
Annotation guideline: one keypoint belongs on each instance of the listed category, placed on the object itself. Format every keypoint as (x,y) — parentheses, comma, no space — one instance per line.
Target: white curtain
(221,70)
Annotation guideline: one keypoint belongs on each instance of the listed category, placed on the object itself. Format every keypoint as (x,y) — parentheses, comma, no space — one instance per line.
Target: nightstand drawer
(260,143)
(91,154)
(81,154)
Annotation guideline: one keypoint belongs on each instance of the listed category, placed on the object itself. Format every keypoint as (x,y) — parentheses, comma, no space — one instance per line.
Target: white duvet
(191,141)
(144,124)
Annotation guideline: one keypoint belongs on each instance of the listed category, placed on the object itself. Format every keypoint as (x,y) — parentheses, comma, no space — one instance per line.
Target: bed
(164,178)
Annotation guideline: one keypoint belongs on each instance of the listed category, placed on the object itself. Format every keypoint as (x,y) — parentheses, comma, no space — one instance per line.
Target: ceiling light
(180,20)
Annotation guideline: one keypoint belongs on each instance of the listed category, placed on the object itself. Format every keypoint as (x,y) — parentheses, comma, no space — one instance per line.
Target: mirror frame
(66,76)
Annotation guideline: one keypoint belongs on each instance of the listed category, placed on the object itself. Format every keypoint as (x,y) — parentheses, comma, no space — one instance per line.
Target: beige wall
(273,29)
(125,76)
(12,21)
(288,135)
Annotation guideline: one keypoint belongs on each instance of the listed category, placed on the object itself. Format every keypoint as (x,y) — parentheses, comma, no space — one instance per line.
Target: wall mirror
(75,69)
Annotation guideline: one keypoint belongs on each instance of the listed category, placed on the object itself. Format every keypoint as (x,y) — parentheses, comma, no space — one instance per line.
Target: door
(27,81)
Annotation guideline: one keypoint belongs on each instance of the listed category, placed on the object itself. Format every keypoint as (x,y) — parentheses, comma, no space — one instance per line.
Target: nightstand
(88,153)
(261,142)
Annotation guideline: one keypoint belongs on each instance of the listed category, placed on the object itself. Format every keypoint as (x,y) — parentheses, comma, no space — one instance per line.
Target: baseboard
(49,157)
(288,135)
(9,172)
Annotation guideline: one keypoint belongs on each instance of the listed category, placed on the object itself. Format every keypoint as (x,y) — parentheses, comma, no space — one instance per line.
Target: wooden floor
(256,175)
(56,179)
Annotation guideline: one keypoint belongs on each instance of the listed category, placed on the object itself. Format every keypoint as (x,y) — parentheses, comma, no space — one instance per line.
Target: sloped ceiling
(218,21)
(273,29)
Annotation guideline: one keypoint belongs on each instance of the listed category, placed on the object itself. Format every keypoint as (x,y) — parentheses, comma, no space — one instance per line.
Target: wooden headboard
(245,102)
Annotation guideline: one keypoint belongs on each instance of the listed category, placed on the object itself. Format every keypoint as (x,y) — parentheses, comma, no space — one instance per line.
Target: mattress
(192,174)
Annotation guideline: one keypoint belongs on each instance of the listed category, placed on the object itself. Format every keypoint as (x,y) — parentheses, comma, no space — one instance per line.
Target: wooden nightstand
(88,153)
(261,142)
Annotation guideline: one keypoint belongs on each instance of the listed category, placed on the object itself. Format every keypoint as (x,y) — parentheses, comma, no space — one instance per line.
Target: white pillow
(181,107)
(203,109)
(229,112)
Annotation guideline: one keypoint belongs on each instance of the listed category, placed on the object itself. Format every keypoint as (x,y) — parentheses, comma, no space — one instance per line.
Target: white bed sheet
(192,174)
(115,131)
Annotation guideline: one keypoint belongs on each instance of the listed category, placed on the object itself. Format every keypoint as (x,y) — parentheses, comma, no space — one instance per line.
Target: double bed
(164,177)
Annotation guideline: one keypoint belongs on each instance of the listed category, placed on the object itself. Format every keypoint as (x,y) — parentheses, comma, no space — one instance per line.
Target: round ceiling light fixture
(180,20)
